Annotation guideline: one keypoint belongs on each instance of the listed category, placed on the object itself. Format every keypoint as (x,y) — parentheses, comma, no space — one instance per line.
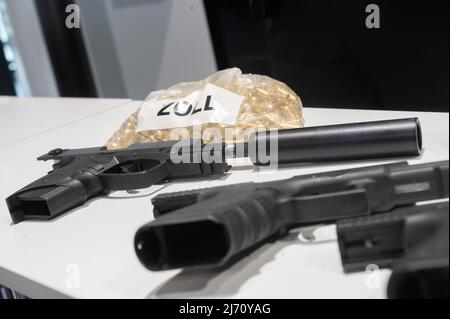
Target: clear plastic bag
(268,104)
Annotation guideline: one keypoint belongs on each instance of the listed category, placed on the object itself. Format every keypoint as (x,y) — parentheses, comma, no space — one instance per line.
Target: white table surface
(88,253)
(22,118)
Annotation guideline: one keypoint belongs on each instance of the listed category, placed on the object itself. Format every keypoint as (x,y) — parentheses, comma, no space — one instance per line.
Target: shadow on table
(226,281)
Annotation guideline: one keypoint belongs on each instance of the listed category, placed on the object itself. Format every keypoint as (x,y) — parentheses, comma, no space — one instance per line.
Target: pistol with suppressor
(210,227)
(81,174)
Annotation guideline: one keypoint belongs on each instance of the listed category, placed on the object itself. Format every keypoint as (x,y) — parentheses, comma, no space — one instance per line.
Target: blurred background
(321,49)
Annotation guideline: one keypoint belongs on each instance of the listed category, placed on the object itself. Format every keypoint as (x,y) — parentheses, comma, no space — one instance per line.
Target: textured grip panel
(249,219)
(211,232)
(168,202)
(165,203)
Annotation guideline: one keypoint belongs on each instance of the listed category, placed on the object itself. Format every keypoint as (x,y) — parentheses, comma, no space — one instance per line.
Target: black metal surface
(368,140)
(413,241)
(224,222)
(384,239)
(81,174)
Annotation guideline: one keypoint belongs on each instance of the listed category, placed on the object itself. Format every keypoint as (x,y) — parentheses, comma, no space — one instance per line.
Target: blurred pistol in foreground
(412,241)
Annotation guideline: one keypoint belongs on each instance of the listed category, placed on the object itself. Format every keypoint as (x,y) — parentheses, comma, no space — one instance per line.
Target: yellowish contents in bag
(227,99)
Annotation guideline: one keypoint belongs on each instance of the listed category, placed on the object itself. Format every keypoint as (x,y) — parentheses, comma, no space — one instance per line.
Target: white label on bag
(210,105)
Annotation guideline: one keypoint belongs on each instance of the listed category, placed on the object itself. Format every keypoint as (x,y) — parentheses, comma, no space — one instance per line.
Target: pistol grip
(44,201)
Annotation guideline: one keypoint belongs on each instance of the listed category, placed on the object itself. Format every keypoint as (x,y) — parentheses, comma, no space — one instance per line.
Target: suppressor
(342,142)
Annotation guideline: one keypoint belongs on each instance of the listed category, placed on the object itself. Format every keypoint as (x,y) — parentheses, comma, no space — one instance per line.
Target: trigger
(131,168)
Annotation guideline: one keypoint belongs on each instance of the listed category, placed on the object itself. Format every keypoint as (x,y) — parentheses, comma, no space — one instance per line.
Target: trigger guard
(136,180)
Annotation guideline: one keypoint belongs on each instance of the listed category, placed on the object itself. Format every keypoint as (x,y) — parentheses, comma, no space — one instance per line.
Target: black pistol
(412,241)
(81,174)
(209,227)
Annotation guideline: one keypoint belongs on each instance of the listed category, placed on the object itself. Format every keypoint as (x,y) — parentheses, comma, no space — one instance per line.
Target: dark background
(324,52)
(321,48)
(6,77)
